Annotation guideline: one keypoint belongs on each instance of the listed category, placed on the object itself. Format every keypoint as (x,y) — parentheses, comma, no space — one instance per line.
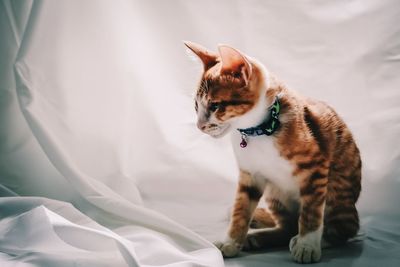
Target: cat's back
(315,129)
(329,130)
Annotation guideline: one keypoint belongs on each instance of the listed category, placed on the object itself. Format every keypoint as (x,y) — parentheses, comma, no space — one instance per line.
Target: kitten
(294,152)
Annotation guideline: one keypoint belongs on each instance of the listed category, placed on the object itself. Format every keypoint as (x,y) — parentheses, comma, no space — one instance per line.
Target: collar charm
(267,127)
(243,144)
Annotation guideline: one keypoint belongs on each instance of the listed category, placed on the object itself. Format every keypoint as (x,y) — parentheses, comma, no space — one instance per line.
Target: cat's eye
(214,106)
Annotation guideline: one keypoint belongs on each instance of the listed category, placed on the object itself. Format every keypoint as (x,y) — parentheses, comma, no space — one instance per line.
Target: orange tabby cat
(294,151)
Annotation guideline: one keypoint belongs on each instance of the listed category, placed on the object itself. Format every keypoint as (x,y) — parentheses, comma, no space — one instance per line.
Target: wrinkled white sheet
(96,111)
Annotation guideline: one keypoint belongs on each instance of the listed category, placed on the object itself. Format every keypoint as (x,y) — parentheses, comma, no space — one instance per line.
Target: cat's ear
(208,58)
(234,62)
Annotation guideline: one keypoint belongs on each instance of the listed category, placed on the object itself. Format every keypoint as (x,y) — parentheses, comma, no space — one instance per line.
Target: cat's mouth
(218,131)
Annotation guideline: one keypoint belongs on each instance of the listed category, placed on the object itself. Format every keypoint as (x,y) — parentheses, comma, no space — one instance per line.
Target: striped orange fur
(308,171)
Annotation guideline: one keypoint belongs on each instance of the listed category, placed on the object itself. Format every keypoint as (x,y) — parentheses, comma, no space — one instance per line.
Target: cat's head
(229,88)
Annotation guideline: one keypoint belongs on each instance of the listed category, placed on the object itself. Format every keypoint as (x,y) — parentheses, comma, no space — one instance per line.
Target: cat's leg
(285,227)
(248,194)
(262,219)
(306,246)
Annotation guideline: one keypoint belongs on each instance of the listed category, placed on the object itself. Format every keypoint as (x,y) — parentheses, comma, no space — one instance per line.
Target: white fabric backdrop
(96,110)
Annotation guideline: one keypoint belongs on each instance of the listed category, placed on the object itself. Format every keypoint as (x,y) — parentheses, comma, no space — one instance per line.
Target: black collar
(267,127)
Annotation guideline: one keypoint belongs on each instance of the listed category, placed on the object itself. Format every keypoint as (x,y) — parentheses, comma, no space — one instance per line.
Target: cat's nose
(202,125)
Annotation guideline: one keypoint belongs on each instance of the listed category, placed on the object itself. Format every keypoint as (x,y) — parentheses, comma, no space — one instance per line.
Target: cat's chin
(220,133)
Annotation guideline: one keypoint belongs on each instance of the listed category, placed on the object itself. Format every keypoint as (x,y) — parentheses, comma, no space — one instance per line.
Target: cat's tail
(341,225)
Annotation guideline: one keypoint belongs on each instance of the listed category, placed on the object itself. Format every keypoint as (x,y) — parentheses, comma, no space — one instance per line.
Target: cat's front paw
(228,249)
(305,250)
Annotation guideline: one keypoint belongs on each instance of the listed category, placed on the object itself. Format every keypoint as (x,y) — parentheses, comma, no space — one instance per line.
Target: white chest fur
(261,158)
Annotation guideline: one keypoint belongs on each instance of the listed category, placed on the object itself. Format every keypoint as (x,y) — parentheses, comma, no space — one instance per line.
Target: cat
(295,152)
